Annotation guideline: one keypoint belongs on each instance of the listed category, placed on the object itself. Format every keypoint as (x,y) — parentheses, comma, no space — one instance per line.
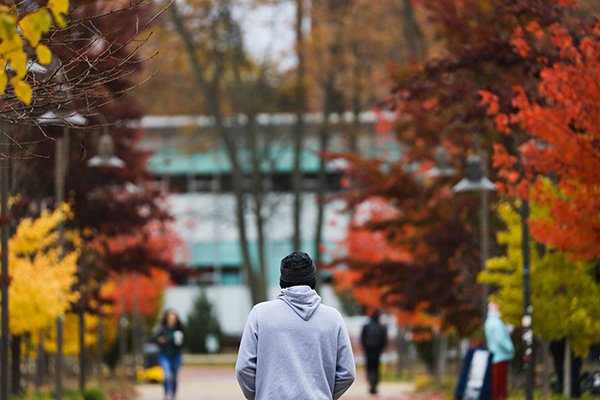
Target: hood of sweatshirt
(302,299)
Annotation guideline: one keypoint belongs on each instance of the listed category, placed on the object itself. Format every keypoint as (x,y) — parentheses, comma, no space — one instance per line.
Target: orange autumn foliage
(418,318)
(565,134)
(142,281)
(368,248)
(145,290)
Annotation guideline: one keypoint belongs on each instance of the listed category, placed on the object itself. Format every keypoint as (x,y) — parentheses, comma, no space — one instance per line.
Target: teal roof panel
(229,254)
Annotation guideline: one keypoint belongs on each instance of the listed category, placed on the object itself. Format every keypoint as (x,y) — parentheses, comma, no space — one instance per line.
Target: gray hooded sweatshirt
(294,347)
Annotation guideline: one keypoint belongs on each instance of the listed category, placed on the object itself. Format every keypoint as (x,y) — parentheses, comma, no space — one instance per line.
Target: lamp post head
(474,168)
(475,179)
(106,157)
(442,165)
(71,118)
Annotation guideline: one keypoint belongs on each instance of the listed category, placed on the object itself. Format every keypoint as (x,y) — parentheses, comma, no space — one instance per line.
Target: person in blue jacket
(500,344)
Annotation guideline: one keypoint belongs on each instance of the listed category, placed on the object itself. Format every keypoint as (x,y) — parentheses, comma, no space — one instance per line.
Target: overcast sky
(269,32)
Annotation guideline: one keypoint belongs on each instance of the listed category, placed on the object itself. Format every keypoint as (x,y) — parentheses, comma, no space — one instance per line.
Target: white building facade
(190,163)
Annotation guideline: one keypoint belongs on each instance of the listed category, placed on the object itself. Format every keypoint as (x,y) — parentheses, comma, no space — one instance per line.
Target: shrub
(202,322)
(94,394)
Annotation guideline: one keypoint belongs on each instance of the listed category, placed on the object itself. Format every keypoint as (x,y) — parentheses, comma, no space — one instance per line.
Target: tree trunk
(567,369)
(546,368)
(322,174)
(251,276)
(16,365)
(100,350)
(211,91)
(357,92)
(415,40)
(402,352)
(82,358)
(299,128)
(320,197)
(441,355)
(40,369)
(257,206)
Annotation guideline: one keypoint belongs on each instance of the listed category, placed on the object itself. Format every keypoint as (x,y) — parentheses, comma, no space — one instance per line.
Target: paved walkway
(219,383)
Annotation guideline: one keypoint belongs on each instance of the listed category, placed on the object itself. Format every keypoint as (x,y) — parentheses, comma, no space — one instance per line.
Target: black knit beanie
(298,269)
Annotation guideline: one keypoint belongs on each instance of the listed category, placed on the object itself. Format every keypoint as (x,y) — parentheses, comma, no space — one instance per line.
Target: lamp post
(60,173)
(4,278)
(441,169)
(106,159)
(527,319)
(475,181)
(527,315)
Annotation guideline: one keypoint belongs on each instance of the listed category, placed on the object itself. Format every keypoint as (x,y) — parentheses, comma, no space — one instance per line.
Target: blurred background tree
(202,325)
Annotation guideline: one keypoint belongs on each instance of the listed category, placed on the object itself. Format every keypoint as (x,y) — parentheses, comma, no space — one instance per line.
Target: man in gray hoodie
(294,347)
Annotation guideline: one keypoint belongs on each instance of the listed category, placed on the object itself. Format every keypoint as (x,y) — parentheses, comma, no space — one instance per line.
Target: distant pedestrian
(294,347)
(557,349)
(475,380)
(500,344)
(170,336)
(373,338)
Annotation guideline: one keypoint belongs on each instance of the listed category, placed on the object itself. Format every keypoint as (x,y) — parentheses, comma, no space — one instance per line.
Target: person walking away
(170,336)
(295,347)
(373,338)
(500,344)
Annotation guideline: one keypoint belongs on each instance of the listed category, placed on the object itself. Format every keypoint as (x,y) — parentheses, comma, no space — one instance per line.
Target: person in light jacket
(501,346)
(294,347)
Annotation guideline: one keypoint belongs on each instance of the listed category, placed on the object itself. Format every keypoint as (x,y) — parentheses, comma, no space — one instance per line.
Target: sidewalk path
(219,383)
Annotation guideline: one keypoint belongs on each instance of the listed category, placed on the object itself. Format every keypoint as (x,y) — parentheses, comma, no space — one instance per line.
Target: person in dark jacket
(557,349)
(475,380)
(373,338)
(170,337)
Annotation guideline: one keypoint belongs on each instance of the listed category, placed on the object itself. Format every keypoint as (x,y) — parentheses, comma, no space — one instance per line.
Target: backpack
(373,335)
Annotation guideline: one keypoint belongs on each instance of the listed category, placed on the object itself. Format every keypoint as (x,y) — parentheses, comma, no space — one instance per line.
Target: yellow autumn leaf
(564,293)
(3,81)
(8,25)
(32,27)
(22,90)
(11,45)
(42,281)
(18,62)
(34,24)
(59,9)
(44,54)
(39,233)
